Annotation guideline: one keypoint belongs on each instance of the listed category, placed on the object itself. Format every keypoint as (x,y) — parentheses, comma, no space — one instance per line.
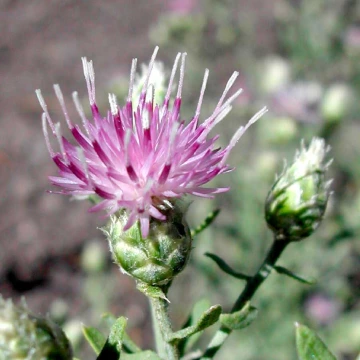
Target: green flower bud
(297,201)
(24,336)
(158,258)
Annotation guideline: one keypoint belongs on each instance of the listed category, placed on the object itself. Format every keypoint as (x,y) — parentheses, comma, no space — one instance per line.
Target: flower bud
(154,260)
(297,201)
(24,336)
(336,103)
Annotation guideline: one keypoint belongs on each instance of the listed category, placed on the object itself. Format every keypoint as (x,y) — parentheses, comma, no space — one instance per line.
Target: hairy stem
(251,287)
(163,329)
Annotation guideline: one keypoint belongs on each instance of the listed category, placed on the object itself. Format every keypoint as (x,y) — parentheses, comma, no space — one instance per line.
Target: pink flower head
(140,158)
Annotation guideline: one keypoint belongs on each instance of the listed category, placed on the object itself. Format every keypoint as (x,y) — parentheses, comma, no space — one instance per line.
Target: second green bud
(297,201)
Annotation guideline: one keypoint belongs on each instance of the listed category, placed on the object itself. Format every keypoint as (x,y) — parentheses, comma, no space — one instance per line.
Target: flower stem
(251,287)
(163,329)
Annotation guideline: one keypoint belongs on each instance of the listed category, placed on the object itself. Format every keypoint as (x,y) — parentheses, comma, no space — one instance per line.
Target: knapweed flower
(140,158)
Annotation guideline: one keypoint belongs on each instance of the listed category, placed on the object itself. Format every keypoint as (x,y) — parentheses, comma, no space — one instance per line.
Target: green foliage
(284,271)
(151,291)
(206,223)
(199,308)
(239,319)
(310,346)
(142,355)
(113,345)
(227,268)
(95,338)
(208,318)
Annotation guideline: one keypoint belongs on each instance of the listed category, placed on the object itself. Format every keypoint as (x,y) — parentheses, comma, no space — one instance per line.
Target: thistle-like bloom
(142,158)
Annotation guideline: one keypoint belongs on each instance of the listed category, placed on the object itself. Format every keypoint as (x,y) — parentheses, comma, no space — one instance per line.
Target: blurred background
(301,58)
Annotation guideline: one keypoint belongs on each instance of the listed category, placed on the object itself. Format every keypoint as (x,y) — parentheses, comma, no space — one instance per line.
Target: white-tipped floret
(46,134)
(241,131)
(182,74)
(90,78)
(202,92)
(80,111)
(172,76)
(151,65)
(227,88)
(60,98)
(45,109)
(60,140)
(132,79)
(113,104)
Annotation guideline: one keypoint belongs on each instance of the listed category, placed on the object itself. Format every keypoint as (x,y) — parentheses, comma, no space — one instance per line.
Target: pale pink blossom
(140,158)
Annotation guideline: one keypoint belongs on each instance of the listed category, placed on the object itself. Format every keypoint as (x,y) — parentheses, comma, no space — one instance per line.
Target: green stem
(163,330)
(251,287)
(159,342)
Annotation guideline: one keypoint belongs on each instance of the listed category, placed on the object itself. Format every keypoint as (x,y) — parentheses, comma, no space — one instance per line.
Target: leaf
(208,318)
(239,319)
(113,346)
(128,344)
(284,271)
(206,223)
(94,337)
(143,355)
(310,346)
(151,291)
(199,308)
(226,268)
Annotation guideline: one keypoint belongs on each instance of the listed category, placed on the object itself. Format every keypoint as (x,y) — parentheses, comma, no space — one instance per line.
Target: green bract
(297,201)
(155,260)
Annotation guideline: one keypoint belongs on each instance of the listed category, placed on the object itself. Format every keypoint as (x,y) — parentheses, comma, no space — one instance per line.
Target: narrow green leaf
(199,308)
(310,346)
(113,346)
(143,355)
(151,291)
(284,271)
(128,344)
(226,268)
(94,337)
(206,223)
(239,319)
(208,318)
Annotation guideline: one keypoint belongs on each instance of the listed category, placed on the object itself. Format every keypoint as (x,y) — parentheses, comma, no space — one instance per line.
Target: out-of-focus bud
(278,130)
(24,336)
(156,259)
(275,74)
(297,201)
(94,257)
(336,103)
(157,81)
